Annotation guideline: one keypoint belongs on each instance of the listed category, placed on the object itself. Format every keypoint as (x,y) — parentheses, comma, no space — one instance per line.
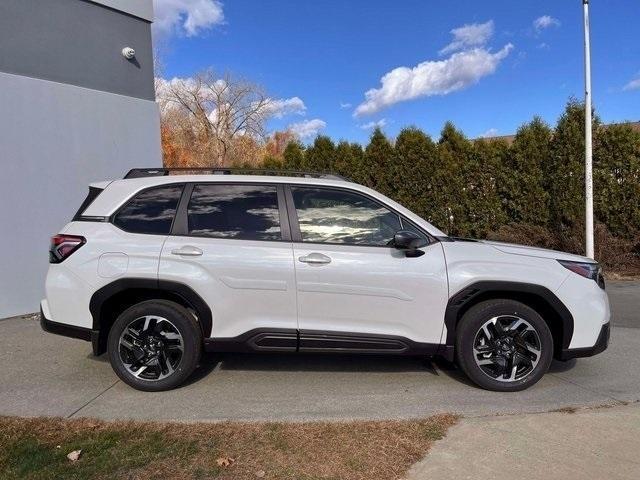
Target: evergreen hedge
(489,187)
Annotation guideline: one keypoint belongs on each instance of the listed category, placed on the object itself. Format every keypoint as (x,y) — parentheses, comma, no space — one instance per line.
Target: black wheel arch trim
(471,294)
(186,293)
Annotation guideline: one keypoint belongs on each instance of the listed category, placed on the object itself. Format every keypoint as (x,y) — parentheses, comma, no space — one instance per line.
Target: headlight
(592,271)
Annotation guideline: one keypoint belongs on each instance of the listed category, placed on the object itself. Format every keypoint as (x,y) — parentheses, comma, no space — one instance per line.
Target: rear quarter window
(151,211)
(91,196)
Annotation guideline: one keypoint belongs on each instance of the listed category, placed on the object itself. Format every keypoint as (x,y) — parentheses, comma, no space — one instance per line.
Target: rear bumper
(71,331)
(600,346)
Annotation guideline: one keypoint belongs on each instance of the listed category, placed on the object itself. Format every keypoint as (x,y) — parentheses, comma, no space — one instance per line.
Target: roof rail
(161,172)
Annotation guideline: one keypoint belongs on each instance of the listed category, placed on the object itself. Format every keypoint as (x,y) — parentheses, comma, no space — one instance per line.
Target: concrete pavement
(44,374)
(589,444)
(625,303)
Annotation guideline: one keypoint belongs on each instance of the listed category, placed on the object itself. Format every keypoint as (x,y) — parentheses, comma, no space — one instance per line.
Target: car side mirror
(409,242)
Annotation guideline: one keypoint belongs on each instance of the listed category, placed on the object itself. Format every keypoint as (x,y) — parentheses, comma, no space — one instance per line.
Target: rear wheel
(154,345)
(503,345)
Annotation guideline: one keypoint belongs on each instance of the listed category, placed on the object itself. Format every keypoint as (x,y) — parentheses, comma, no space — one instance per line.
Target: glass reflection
(151,211)
(247,212)
(332,216)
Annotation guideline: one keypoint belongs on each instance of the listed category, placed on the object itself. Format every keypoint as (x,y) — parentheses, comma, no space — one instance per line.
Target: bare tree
(218,114)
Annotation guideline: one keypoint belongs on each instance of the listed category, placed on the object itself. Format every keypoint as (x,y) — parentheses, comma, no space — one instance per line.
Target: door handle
(315,259)
(187,251)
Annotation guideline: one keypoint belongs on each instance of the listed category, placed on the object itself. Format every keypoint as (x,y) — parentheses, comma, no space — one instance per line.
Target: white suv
(160,265)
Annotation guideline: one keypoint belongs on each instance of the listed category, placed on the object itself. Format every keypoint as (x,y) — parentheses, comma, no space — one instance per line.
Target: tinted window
(151,211)
(91,196)
(335,216)
(244,212)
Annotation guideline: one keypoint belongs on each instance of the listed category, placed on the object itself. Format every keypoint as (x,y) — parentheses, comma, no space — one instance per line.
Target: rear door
(231,244)
(355,291)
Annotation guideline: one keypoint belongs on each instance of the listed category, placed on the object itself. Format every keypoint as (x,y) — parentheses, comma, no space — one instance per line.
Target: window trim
(289,225)
(181,222)
(111,219)
(296,234)
(94,192)
(181,225)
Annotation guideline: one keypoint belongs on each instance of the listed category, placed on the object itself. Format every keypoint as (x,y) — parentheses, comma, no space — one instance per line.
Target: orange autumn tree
(211,121)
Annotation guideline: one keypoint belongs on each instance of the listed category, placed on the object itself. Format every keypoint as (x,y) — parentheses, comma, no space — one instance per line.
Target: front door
(355,291)
(232,247)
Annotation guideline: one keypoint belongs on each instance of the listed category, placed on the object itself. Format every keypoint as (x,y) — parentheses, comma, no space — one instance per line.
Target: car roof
(165,171)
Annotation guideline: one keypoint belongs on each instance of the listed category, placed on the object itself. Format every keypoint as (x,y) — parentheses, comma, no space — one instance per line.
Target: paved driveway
(591,444)
(44,374)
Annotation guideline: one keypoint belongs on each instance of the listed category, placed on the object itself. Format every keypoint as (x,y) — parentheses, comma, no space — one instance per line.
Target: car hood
(516,249)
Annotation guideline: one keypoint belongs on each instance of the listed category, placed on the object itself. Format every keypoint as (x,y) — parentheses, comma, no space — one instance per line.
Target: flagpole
(588,137)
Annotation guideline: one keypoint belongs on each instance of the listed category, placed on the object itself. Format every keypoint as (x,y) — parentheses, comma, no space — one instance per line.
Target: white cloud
(633,84)
(307,128)
(545,21)
(467,36)
(492,132)
(281,107)
(345,105)
(430,78)
(371,125)
(191,17)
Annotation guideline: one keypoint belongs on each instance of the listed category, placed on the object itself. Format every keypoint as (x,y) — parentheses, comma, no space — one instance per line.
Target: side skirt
(258,340)
(311,341)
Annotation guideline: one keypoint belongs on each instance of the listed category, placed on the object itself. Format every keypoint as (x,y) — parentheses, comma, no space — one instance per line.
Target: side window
(151,211)
(243,212)
(337,216)
(406,225)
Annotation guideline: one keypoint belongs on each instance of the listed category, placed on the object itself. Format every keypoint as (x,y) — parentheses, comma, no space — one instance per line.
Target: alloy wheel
(151,348)
(507,348)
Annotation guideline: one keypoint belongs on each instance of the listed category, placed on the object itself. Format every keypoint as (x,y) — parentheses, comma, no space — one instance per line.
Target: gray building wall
(76,42)
(73,110)
(137,8)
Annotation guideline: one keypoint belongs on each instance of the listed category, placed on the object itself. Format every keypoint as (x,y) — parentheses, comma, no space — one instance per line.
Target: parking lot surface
(44,374)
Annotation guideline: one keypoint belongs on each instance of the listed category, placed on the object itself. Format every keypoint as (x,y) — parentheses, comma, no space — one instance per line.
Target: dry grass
(622,277)
(37,449)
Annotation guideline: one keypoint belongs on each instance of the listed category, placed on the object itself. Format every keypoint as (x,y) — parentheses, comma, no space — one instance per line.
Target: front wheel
(154,345)
(503,345)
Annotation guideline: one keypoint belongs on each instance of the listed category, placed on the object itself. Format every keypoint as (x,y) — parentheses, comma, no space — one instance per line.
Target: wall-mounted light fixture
(128,53)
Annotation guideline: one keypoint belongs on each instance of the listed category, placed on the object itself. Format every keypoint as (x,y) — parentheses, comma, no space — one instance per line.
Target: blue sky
(497,70)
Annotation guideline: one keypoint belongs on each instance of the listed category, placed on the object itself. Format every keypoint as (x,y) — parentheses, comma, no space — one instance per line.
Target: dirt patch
(565,410)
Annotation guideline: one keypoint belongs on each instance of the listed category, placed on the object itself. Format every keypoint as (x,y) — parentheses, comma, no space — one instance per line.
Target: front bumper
(71,331)
(600,346)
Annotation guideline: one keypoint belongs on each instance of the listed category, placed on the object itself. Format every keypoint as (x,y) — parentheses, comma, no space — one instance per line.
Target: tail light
(62,246)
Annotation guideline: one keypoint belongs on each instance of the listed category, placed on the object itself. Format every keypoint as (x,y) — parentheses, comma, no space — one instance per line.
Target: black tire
(470,335)
(179,321)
